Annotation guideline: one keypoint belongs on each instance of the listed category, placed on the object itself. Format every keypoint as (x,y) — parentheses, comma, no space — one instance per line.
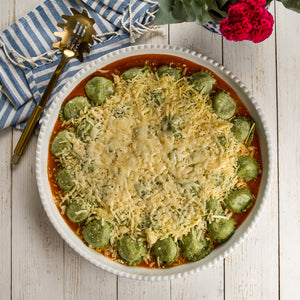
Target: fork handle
(50,86)
(37,112)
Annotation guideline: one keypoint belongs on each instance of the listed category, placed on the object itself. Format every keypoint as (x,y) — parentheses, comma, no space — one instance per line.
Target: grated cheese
(145,180)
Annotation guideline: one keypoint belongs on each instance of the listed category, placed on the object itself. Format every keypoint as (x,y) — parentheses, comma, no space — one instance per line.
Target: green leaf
(221,3)
(216,16)
(292,4)
(165,5)
(189,11)
(216,12)
(183,10)
(165,18)
(198,7)
(164,15)
(201,8)
(176,11)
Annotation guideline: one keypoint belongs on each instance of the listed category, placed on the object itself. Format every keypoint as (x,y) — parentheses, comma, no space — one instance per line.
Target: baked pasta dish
(154,161)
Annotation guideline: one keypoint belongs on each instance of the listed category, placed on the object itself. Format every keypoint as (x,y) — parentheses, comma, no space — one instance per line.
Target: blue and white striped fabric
(27,58)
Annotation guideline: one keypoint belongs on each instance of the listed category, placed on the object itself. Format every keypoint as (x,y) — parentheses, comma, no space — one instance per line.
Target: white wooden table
(35,263)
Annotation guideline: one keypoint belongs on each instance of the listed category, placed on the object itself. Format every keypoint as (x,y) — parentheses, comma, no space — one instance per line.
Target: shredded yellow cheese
(153,159)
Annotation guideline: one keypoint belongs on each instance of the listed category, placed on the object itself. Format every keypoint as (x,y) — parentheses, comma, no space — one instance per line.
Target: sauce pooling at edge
(153,61)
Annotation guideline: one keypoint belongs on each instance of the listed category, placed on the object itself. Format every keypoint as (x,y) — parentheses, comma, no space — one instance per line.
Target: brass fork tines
(78,33)
(76,37)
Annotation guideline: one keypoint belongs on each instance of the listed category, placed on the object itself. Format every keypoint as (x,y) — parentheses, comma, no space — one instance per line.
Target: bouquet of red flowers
(238,19)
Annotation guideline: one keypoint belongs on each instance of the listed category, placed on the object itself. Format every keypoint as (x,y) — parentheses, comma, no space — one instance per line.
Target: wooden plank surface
(197,38)
(288,78)
(83,280)
(254,64)
(37,249)
(35,262)
(5,214)
(6,18)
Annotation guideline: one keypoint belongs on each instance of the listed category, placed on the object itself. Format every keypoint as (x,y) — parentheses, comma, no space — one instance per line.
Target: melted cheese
(153,160)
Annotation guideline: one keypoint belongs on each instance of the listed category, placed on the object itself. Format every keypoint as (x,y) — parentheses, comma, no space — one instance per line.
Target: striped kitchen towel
(27,58)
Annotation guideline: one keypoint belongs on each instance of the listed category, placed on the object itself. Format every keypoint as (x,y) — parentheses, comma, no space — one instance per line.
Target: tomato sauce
(154,61)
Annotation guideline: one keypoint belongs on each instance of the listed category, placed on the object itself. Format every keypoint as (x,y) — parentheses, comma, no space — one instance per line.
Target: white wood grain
(207,284)
(251,272)
(197,38)
(7,15)
(6,18)
(23,7)
(83,280)
(288,73)
(5,213)
(143,290)
(37,249)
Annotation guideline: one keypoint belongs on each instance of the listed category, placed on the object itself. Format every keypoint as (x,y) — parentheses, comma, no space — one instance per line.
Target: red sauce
(153,61)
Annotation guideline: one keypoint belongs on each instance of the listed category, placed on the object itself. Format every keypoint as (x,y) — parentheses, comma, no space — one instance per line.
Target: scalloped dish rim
(135,272)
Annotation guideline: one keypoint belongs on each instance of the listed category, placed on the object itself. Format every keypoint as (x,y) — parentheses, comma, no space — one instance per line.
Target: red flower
(247,20)
(237,31)
(262,25)
(254,3)
(239,10)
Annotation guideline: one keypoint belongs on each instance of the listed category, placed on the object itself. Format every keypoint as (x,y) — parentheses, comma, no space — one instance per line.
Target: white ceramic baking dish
(136,272)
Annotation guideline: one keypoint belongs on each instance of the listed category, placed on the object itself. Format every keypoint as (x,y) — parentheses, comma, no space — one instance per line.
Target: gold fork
(76,38)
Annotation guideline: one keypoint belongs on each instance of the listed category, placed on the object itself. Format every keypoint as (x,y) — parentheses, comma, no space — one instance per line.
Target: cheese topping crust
(156,153)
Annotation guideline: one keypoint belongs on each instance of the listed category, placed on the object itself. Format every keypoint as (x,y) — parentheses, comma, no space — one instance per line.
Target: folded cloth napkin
(27,58)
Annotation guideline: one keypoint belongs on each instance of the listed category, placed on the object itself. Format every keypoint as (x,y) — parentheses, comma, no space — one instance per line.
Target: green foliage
(200,11)
(292,4)
(164,15)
